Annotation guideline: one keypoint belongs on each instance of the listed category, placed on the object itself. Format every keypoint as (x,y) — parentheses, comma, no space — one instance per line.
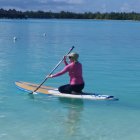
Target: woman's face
(70,59)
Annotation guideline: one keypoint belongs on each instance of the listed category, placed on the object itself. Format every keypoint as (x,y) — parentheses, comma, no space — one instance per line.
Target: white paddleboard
(29,87)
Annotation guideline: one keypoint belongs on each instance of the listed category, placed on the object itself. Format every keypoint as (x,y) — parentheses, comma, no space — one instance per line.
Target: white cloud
(104,8)
(70,1)
(125,8)
(74,5)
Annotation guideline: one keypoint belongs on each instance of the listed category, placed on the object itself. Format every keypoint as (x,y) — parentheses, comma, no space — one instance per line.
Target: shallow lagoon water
(109,52)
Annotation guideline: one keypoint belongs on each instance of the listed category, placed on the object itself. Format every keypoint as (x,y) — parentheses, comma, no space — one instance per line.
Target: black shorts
(70,88)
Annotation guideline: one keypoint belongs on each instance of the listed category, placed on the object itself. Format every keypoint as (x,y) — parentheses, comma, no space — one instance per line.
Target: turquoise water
(110,54)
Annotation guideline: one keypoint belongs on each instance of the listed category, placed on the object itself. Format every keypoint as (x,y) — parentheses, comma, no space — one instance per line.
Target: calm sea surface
(110,54)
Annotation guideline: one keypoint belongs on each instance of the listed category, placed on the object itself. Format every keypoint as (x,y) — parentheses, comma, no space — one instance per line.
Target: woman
(75,72)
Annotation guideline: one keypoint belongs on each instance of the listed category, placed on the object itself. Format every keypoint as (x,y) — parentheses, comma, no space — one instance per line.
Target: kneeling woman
(74,68)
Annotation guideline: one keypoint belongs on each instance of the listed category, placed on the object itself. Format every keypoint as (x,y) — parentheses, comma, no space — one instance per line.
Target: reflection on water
(75,108)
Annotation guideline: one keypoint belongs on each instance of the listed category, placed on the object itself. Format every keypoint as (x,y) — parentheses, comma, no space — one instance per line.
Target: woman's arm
(61,72)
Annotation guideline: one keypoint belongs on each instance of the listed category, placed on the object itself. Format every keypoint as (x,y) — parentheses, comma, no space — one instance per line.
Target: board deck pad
(29,87)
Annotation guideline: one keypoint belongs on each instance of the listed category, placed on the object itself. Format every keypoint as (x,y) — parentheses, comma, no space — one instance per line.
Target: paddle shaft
(52,71)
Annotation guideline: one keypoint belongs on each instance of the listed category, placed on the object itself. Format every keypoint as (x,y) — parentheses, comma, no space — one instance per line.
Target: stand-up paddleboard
(29,87)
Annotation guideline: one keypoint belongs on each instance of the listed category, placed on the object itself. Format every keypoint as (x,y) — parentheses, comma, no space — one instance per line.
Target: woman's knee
(61,89)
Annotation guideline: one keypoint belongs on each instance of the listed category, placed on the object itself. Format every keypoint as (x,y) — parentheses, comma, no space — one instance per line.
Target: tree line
(14,14)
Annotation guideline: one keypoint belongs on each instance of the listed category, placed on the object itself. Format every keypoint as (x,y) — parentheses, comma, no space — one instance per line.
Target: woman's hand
(65,57)
(49,76)
(65,61)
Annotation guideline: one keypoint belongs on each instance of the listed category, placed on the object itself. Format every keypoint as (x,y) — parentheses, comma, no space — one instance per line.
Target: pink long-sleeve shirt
(75,72)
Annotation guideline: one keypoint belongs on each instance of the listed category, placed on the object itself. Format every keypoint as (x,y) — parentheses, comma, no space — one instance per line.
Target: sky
(78,6)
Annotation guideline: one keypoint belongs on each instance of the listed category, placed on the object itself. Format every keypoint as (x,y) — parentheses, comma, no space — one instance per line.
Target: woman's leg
(65,89)
(77,88)
(69,88)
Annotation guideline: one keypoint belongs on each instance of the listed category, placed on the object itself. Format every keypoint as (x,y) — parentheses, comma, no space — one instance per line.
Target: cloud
(69,1)
(130,7)
(125,7)
(73,5)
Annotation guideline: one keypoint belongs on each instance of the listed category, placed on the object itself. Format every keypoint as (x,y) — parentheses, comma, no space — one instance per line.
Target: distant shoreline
(14,14)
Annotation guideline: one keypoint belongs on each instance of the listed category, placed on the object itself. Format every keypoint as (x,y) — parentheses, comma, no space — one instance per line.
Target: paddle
(51,72)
